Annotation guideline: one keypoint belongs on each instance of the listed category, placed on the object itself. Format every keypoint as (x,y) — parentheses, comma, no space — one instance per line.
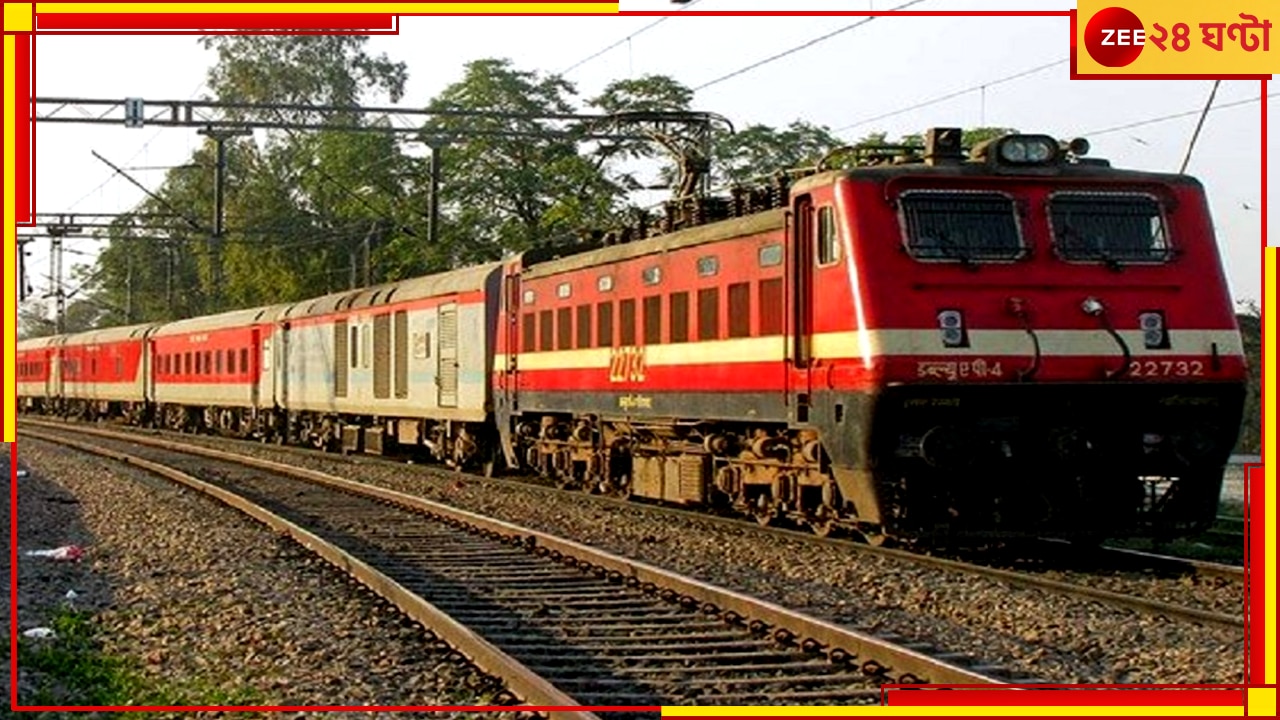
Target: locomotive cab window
(1109,228)
(828,248)
(957,226)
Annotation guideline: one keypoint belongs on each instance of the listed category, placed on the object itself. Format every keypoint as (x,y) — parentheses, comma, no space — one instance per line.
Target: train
(905,344)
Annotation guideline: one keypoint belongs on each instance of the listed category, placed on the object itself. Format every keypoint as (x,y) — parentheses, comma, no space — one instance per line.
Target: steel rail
(785,626)
(522,681)
(1012,577)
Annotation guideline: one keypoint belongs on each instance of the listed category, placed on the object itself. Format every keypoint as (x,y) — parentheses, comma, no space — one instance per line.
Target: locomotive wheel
(823,523)
(874,539)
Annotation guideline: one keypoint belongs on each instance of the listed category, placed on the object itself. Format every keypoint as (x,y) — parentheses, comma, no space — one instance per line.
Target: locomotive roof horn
(942,146)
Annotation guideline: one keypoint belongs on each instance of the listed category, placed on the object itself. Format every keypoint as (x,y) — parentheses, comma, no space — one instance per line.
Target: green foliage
(300,69)
(73,669)
(512,182)
(759,150)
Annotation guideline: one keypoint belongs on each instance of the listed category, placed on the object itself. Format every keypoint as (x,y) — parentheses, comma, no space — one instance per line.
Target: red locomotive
(1023,341)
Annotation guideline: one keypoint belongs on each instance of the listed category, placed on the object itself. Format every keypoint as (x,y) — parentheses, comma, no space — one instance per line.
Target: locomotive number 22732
(1166,368)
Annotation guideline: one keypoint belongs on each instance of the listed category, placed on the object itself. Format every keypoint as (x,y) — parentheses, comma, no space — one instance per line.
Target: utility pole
(364,252)
(168,275)
(433,203)
(128,288)
(57,231)
(24,288)
(220,137)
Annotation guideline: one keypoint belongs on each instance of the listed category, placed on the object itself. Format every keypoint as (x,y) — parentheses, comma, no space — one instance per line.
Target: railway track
(563,624)
(1088,585)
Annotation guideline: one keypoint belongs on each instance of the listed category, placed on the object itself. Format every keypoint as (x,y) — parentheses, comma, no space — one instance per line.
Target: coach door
(255,379)
(51,374)
(148,368)
(801,302)
(447,370)
(281,370)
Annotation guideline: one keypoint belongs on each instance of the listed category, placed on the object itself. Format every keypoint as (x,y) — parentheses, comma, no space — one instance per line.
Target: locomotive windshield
(961,226)
(1108,228)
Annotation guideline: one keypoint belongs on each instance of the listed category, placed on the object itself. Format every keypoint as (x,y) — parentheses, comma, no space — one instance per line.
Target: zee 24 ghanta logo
(1115,37)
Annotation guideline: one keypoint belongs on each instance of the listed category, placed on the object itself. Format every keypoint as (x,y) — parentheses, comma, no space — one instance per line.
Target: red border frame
(88,23)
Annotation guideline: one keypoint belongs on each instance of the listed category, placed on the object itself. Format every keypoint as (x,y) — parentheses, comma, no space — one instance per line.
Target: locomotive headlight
(1028,149)
(951,324)
(1092,306)
(1153,332)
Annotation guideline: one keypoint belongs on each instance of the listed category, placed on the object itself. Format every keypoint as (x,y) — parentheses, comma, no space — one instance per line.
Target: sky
(1001,71)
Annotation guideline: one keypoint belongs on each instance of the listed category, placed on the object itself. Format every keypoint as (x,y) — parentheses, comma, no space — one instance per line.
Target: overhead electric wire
(953,94)
(1175,116)
(802,46)
(628,38)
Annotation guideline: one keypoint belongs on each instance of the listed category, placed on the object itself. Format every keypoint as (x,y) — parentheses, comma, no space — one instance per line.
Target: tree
(760,150)
(503,193)
(301,70)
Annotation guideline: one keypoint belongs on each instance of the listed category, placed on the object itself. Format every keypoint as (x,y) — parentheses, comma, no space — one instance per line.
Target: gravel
(1043,635)
(205,600)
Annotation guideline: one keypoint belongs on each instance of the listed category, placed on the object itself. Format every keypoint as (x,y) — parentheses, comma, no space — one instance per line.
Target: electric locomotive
(1021,341)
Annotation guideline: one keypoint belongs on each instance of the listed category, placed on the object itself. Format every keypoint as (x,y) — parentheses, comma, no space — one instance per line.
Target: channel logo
(1114,37)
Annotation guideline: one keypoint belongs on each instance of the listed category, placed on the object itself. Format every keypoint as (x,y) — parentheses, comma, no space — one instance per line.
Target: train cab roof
(223,321)
(471,279)
(109,335)
(39,343)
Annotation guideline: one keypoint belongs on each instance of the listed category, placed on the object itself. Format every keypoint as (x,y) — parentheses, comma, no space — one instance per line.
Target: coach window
(217,361)
(740,310)
(584,326)
(231,361)
(956,226)
(604,324)
(627,323)
(546,333)
(529,333)
(355,347)
(186,363)
(93,367)
(653,320)
(678,327)
(244,360)
(564,329)
(208,363)
(709,314)
(828,247)
(120,367)
(366,345)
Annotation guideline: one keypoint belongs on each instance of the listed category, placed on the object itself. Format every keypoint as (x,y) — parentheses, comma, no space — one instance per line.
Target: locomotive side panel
(673,331)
